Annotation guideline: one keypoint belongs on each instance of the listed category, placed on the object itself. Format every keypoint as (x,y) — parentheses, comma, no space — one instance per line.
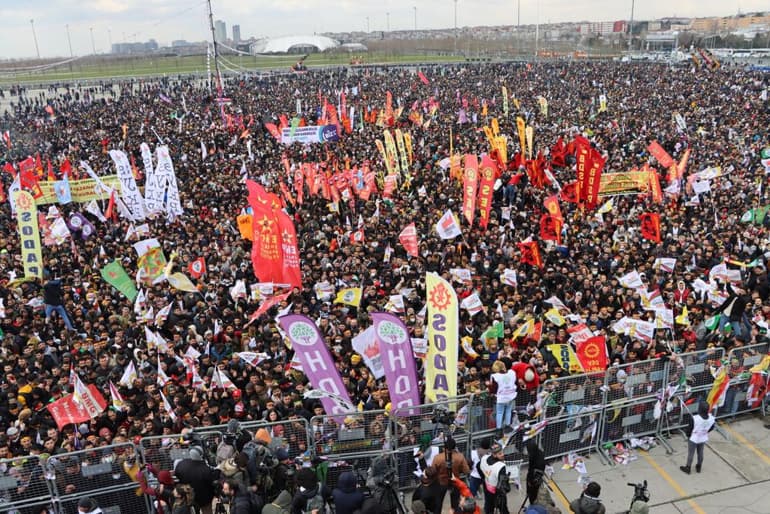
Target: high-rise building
(236,33)
(220,31)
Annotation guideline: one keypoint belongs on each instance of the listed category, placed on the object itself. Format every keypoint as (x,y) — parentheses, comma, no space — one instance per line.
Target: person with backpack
(310,495)
(496,484)
(281,505)
(200,476)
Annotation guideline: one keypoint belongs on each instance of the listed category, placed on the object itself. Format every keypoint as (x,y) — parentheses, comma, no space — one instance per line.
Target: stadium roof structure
(287,44)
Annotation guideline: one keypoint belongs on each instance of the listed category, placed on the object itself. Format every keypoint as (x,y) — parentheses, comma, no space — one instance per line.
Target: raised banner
(593,178)
(470,187)
(397,360)
(583,156)
(129,191)
(68,411)
(660,154)
(116,276)
(29,234)
(408,239)
(309,134)
(154,189)
(167,178)
(317,364)
(291,272)
(443,339)
(81,191)
(487,171)
(630,182)
(365,344)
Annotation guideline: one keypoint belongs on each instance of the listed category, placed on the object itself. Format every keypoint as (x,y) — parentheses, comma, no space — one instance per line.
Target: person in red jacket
(467,503)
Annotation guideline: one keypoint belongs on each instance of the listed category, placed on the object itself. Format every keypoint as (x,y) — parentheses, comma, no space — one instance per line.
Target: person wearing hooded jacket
(308,487)
(347,497)
(589,502)
(200,476)
(281,505)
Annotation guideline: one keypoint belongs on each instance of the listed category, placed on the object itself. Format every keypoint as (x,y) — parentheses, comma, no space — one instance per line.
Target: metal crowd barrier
(739,362)
(582,413)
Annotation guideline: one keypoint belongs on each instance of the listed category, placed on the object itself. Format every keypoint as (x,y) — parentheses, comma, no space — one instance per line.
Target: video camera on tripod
(640,499)
(442,416)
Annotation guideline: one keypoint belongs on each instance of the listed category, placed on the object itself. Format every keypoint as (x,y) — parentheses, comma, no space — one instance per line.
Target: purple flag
(317,363)
(397,360)
(80,223)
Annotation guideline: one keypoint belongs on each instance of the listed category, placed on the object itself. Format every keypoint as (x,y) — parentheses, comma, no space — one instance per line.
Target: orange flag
(552,206)
(530,254)
(651,226)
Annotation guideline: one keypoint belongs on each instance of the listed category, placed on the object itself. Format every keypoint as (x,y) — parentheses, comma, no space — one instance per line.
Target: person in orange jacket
(467,503)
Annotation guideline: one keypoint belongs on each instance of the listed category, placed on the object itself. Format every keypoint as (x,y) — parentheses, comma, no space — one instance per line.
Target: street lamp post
(34,36)
(109,37)
(387,21)
(93,44)
(455,50)
(631,28)
(69,40)
(367,25)
(415,18)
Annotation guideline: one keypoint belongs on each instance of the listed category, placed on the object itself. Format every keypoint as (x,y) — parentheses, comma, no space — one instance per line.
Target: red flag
(66,411)
(3,198)
(593,179)
(568,193)
(38,165)
(389,119)
(551,204)
(660,154)
(592,354)
(28,178)
(273,131)
(486,189)
(408,239)
(583,156)
(51,174)
(530,254)
(423,78)
(357,237)
(651,226)
(470,186)
(265,306)
(266,249)
(290,266)
(559,153)
(8,168)
(49,110)
(110,206)
(550,228)
(66,168)
(197,267)
(657,193)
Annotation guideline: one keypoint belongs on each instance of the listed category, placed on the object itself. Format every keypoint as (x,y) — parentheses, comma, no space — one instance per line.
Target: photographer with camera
(496,484)
(589,502)
(200,476)
(234,499)
(640,499)
(447,463)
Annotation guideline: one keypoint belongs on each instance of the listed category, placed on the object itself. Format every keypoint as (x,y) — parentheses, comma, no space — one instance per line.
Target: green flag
(760,213)
(495,331)
(116,276)
(712,322)
(748,216)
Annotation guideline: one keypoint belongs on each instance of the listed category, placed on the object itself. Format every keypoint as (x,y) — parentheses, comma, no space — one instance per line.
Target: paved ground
(735,477)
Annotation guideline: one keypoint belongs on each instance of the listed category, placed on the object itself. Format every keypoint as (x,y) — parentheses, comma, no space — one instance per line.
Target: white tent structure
(293,44)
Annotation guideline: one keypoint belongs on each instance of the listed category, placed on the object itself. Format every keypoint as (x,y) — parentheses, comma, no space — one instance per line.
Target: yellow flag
(349,296)
(443,340)
(182,282)
(764,365)
(521,128)
(245,226)
(29,233)
(607,207)
(566,357)
(682,319)
(524,329)
(530,132)
(554,316)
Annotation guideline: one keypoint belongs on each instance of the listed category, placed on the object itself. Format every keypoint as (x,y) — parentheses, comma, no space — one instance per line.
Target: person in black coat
(347,497)
(308,488)
(200,476)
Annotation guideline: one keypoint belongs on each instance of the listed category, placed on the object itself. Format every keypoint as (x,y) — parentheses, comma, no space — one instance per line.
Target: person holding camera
(496,484)
(234,499)
(446,464)
(589,502)
(194,472)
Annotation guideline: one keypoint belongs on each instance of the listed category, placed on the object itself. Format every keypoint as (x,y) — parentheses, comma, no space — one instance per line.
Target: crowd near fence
(579,414)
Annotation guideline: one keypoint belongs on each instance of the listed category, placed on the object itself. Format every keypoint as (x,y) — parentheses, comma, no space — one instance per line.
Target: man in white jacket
(698,428)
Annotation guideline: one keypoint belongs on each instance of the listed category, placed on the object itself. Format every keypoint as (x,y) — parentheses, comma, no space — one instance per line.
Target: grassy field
(148,66)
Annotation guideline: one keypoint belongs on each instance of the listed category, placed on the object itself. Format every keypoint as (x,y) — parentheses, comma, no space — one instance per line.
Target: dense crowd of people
(73,320)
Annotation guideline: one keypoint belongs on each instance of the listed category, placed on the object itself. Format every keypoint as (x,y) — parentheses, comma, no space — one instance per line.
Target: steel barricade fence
(623,420)
(740,360)
(105,473)
(291,434)
(24,484)
(696,369)
(350,434)
(359,465)
(163,450)
(637,379)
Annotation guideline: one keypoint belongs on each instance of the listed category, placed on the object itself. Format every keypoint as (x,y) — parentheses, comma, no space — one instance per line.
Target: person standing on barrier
(496,485)
(447,463)
(503,385)
(698,428)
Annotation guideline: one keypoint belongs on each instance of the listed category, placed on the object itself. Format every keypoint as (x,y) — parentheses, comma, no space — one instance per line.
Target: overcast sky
(165,20)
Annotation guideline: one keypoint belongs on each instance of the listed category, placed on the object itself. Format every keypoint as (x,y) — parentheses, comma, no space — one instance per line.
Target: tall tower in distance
(220,30)
(236,33)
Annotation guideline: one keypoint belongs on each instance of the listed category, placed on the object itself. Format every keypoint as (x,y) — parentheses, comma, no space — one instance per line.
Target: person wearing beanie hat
(88,506)
(589,502)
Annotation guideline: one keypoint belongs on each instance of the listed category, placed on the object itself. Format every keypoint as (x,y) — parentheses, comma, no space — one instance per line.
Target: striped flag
(117,400)
(716,396)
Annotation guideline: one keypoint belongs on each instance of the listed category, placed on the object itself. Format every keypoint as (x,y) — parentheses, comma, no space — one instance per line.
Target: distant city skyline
(117,21)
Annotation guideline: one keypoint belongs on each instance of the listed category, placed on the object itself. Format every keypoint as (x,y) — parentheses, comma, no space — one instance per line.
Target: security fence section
(575,414)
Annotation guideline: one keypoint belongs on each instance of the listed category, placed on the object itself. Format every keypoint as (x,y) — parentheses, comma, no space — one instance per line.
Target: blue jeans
(60,310)
(503,414)
(474,484)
